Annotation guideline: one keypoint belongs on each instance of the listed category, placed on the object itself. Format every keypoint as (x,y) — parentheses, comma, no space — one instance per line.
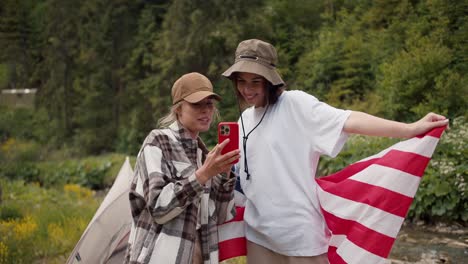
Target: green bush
(92,172)
(19,150)
(26,171)
(9,212)
(93,177)
(443,193)
(108,165)
(25,123)
(95,172)
(44,224)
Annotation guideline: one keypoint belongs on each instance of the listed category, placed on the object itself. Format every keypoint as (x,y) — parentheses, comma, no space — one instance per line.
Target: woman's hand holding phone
(229,130)
(216,162)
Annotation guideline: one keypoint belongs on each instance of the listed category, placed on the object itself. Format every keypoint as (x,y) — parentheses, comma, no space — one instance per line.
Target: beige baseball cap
(192,87)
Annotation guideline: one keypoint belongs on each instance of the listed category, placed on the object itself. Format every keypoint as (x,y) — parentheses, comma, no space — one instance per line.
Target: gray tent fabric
(106,236)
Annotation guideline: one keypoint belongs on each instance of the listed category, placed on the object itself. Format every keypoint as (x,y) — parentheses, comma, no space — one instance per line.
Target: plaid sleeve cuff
(193,187)
(225,183)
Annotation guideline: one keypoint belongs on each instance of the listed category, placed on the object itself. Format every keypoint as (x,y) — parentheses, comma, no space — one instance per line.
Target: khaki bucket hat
(192,87)
(256,56)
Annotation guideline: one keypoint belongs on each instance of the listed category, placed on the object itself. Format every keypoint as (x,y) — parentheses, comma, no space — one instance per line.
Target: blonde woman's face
(252,88)
(196,117)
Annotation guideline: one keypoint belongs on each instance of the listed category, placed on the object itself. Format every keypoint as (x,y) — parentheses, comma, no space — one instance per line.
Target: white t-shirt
(282,211)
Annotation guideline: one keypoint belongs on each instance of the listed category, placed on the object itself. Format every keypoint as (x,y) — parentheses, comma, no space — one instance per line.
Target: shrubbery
(26,155)
(42,224)
(443,193)
(25,124)
(93,172)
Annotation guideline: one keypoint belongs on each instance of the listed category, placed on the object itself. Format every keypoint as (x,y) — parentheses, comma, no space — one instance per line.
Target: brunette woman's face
(196,117)
(252,88)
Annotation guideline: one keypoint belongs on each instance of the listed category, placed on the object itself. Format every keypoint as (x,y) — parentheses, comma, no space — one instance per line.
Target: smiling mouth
(205,120)
(250,97)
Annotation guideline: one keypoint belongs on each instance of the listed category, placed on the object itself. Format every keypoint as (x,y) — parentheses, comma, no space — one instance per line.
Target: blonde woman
(181,191)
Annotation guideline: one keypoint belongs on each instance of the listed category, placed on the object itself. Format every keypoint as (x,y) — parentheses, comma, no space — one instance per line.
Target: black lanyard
(245,137)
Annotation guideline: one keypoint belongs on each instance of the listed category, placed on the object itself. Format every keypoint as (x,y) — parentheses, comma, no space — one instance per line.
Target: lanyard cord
(245,137)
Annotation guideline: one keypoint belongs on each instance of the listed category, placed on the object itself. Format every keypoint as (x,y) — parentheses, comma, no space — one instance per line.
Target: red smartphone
(229,130)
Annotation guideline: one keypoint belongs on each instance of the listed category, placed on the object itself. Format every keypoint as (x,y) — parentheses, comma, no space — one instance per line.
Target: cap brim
(198,96)
(254,67)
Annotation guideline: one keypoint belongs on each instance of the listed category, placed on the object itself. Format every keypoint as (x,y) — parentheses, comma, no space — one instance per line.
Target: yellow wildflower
(55,233)
(25,228)
(3,253)
(8,145)
(79,191)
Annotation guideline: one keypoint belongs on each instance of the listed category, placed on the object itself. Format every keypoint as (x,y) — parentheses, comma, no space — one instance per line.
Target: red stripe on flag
(333,256)
(384,199)
(239,215)
(436,132)
(347,172)
(232,248)
(404,161)
(365,238)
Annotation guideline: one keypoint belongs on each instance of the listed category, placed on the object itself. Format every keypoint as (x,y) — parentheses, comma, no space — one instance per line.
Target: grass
(42,224)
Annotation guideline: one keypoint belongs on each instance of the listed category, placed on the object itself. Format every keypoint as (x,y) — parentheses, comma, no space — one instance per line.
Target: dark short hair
(272,91)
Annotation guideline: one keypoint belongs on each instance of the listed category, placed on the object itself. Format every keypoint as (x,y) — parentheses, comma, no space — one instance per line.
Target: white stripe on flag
(353,254)
(231,230)
(389,178)
(423,146)
(369,216)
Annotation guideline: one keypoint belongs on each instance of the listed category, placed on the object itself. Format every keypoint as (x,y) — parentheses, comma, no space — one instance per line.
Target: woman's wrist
(199,174)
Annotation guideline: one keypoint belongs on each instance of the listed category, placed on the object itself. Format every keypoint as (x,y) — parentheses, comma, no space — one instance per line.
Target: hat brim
(198,96)
(255,67)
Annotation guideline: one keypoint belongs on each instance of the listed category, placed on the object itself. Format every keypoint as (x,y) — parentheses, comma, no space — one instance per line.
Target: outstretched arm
(365,124)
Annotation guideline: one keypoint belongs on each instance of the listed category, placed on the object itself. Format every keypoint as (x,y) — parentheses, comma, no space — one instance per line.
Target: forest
(103,70)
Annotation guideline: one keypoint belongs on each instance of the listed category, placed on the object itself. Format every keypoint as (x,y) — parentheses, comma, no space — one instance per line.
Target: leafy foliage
(104,69)
(443,192)
(96,173)
(45,224)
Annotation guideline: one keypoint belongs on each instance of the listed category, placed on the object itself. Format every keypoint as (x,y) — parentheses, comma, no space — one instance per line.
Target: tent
(105,238)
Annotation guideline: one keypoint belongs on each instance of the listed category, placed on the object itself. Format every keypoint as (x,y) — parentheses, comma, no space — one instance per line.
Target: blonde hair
(171,117)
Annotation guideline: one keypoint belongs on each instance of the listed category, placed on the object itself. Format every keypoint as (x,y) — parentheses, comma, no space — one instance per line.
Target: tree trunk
(67,98)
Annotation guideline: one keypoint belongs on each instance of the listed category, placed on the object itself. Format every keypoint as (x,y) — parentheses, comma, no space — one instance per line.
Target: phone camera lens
(225,130)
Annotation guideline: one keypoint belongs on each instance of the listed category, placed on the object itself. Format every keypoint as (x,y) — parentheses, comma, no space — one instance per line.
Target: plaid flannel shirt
(165,198)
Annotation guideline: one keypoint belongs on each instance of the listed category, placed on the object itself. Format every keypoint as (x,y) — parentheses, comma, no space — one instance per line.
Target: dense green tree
(141,93)
(105,68)
(59,46)
(421,76)
(17,42)
(199,36)
(338,68)
(100,82)
(294,24)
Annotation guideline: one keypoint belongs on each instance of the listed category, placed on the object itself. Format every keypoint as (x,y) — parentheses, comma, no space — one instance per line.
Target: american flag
(364,205)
